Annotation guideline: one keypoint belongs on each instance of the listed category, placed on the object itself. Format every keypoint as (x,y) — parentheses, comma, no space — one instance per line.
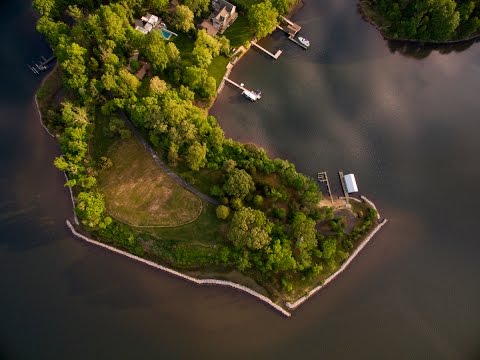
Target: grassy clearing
(138,193)
(239,32)
(217,68)
(245,4)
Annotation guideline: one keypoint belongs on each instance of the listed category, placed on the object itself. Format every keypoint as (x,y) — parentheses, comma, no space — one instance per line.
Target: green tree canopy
(198,6)
(183,18)
(263,18)
(250,228)
(239,184)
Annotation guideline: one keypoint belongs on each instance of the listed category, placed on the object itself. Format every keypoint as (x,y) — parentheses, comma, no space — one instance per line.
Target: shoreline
(209,281)
(192,279)
(296,304)
(245,289)
(367,18)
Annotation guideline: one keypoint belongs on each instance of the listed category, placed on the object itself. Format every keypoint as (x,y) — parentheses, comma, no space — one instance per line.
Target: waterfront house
(147,23)
(223,15)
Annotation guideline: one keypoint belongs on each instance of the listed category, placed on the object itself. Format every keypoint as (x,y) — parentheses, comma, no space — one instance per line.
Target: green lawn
(239,32)
(245,4)
(184,44)
(218,68)
(138,193)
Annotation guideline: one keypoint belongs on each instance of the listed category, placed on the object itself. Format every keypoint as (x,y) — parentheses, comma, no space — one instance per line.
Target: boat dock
(291,29)
(249,94)
(241,87)
(344,186)
(322,177)
(275,56)
(37,68)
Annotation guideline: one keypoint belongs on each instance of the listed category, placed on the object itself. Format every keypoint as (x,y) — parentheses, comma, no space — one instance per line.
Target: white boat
(304,41)
(252,95)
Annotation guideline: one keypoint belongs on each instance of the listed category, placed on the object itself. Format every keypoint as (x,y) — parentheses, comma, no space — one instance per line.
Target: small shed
(350,183)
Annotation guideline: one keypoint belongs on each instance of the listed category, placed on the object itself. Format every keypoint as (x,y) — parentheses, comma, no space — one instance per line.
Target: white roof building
(350,183)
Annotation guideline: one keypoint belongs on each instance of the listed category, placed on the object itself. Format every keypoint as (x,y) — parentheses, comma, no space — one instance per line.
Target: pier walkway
(322,177)
(344,186)
(37,68)
(235,84)
(275,56)
(291,29)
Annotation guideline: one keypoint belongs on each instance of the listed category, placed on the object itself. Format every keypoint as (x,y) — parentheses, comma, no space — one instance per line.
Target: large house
(147,23)
(224,14)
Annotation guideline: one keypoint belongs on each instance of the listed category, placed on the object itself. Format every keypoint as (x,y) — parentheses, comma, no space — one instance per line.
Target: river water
(407,127)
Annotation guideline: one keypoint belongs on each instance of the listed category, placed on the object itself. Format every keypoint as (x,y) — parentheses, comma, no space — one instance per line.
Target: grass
(138,193)
(184,44)
(239,32)
(217,68)
(246,4)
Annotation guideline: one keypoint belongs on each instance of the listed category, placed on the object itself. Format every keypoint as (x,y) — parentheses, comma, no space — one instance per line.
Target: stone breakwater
(372,205)
(339,271)
(179,274)
(40,118)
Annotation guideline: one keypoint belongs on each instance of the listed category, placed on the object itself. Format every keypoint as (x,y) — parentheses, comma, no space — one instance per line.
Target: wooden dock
(344,186)
(289,27)
(322,177)
(275,56)
(37,68)
(235,84)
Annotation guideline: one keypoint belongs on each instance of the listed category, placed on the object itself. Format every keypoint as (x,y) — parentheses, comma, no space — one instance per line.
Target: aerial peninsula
(424,21)
(151,173)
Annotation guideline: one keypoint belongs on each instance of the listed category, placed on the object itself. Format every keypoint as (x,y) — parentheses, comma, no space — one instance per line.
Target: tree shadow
(417,50)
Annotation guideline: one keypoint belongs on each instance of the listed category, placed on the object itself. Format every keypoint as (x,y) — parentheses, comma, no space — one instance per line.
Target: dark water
(409,130)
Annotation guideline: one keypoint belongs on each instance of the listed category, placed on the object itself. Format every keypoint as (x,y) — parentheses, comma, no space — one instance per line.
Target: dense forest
(269,216)
(429,20)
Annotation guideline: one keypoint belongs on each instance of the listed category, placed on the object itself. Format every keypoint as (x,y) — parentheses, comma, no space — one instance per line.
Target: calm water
(409,130)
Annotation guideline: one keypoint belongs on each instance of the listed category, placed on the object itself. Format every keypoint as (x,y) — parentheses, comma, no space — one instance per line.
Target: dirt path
(164,166)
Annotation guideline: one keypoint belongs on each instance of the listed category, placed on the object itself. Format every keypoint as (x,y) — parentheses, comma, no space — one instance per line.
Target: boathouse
(350,183)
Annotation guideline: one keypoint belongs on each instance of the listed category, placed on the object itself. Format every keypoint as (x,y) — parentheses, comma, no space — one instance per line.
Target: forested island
(434,21)
(122,92)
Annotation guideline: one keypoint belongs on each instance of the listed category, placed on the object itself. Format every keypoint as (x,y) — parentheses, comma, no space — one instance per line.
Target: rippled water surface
(406,126)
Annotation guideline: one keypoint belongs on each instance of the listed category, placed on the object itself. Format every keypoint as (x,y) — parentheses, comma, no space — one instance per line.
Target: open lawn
(138,193)
(217,68)
(245,4)
(239,32)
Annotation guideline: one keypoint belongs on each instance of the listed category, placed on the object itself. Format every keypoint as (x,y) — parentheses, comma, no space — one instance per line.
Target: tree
(196,156)
(222,212)
(198,6)
(158,5)
(90,207)
(155,51)
(280,257)
(239,184)
(71,57)
(183,18)
(203,56)
(44,7)
(52,30)
(263,18)
(157,86)
(329,247)
(250,228)
(283,5)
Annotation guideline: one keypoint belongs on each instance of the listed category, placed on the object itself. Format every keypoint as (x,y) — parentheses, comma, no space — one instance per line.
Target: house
(224,14)
(147,23)
(140,74)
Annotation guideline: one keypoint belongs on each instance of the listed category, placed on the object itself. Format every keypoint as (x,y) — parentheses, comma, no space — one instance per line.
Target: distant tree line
(438,20)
